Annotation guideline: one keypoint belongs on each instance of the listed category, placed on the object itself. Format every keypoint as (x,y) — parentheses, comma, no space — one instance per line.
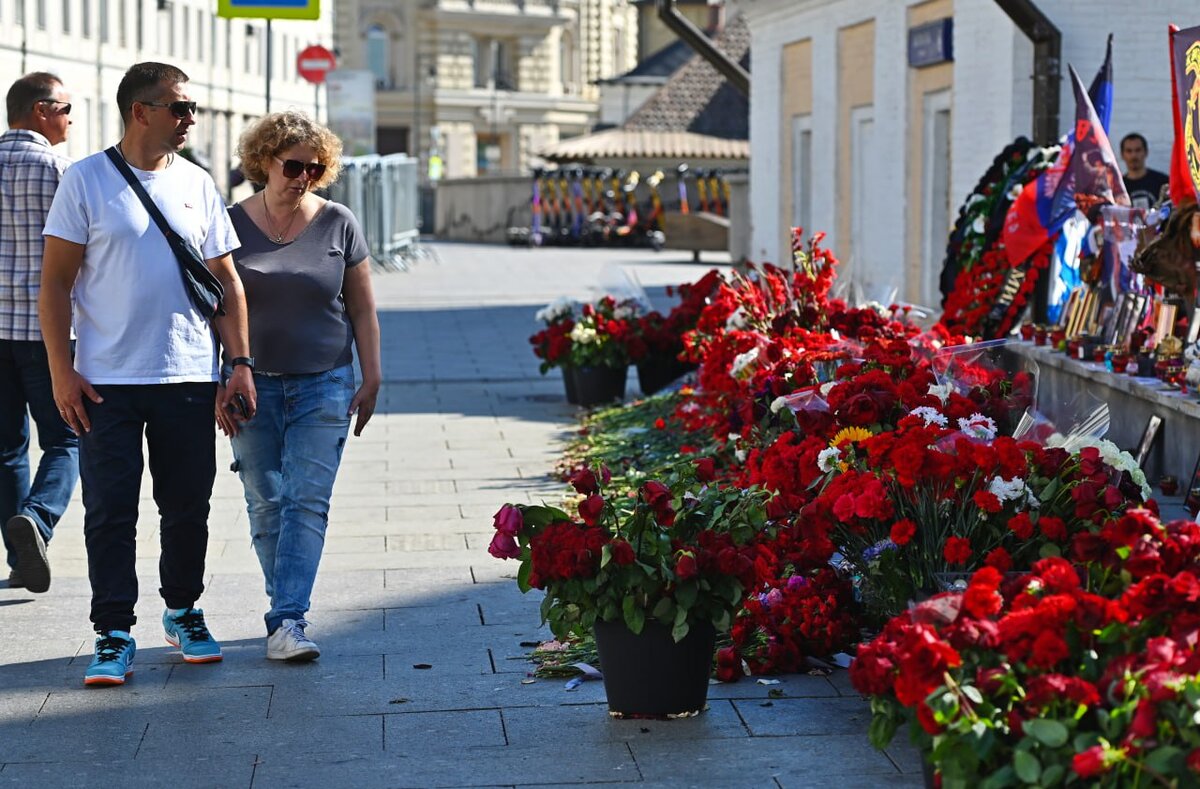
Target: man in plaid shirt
(38,118)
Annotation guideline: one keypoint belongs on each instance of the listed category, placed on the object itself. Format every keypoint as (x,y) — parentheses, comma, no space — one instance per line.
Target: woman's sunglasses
(66,105)
(180,109)
(293,167)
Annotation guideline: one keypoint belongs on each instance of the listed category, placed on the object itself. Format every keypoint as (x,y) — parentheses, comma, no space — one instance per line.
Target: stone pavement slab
(464,423)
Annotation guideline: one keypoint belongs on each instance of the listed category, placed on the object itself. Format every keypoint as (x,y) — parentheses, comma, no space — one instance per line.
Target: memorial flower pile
(588,335)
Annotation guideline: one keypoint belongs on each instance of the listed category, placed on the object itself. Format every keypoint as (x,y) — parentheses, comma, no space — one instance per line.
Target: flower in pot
(654,574)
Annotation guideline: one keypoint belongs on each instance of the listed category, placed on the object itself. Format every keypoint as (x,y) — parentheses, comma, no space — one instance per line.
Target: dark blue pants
(25,391)
(178,423)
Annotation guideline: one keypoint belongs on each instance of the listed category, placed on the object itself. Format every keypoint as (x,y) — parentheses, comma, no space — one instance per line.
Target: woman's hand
(363,404)
(225,420)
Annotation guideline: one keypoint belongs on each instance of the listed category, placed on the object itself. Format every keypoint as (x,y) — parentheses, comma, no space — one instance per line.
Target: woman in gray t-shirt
(303,262)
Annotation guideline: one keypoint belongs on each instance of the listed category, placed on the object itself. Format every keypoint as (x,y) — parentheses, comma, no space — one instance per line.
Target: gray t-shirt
(298,321)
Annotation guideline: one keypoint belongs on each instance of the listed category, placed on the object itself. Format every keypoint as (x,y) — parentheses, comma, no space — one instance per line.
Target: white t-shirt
(134,322)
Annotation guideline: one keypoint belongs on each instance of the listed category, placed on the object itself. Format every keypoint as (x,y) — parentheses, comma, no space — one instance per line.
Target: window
(863,217)
(200,35)
(935,192)
(569,62)
(41,14)
(103,13)
(21,12)
(187,33)
(85,18)
(246,48)
(802,172)
(379,56)
(66,16)
(493,64)
(228,43)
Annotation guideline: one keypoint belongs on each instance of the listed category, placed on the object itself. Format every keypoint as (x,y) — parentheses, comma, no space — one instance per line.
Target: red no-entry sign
(314,62)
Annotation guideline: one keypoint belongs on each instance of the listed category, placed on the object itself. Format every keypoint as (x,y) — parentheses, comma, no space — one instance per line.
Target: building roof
(646,144)
(698,98)
(655,69)
(697,114)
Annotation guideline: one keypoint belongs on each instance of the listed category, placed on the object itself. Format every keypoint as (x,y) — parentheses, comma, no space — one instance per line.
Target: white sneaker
(288,642)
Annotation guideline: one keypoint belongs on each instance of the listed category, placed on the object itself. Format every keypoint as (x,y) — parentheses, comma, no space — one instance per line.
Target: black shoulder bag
(203,287)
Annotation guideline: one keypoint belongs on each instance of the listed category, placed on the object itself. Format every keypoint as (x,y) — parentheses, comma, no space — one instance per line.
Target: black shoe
(14,580)
(32,567)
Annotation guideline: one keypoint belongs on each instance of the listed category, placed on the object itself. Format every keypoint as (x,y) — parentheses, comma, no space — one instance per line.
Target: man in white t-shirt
(145,360)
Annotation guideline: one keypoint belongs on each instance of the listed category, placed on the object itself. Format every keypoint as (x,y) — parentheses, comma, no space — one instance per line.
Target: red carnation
(729,665)
(903,531)
(1053,528)
(1021,525)
(957,550)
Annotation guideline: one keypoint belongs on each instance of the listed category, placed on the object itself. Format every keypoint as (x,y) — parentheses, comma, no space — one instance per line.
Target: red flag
(1182,186)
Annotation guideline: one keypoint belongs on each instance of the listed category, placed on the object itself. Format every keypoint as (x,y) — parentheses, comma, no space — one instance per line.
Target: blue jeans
(288,457)
(25,391)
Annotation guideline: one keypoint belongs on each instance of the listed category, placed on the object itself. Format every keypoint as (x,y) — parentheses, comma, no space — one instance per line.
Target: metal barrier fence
(382,192)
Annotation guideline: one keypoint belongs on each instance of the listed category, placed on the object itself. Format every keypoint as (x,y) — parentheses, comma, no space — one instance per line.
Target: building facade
(853,134)
(485,84)
(90,44)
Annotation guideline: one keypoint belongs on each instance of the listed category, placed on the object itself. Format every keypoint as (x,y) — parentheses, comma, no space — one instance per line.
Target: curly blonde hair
(278,131)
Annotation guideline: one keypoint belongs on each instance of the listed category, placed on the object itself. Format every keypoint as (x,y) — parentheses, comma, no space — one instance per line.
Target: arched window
(569,58)
(379,56)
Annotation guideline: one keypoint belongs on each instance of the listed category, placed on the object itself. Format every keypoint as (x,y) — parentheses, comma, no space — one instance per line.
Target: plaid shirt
(29,175)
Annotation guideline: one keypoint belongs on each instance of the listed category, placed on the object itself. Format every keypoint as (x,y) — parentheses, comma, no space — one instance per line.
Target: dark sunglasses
(180,109)
(293,167)
(66,110)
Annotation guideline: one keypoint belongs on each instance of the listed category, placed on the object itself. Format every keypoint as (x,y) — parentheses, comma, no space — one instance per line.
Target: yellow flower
(850,434)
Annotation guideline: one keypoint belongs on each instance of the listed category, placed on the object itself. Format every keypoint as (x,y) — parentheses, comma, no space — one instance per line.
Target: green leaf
(1004,777)
(1028,768)
(663,610)
(635,615)
(680,630)
(972,693)
(1161,760)
(605,555)
(1049,550)
(523,574)
(722,621)
(882,730)
(1053,774)
(685,594)
(1050,733)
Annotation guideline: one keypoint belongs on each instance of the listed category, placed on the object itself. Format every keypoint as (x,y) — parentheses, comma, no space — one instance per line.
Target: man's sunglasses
(66,105)
(180,109)
(293,167)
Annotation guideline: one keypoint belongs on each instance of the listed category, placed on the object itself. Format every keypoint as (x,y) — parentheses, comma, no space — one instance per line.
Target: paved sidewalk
(419,683)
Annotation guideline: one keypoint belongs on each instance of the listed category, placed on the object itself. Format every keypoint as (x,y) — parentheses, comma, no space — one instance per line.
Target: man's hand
(69,390)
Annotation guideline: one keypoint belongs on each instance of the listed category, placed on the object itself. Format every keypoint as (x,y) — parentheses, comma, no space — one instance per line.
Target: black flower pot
(568,374)
(595,385)
(648,673)
(659,370)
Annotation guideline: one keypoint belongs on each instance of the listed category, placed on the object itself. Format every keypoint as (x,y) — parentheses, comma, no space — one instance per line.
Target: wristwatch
(246,360)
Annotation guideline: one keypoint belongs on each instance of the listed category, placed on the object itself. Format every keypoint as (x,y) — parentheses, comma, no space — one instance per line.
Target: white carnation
(978,426)
(778,404)
(827,459)
(931,416)
(1007,489)
(583,334)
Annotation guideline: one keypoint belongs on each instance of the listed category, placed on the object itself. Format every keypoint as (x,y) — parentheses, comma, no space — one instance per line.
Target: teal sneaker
(188,632)
(112,662)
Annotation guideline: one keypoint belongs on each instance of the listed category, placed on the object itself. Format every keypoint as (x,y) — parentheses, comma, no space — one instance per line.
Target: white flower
(736,320)
(624,311)
(583,334)
(1007,489)
(556,309)
(941,391)
(978,426)
(740,455)
(778,404)
(1015,192)
(743,361)
(827,459)
(931,416)
(978,226)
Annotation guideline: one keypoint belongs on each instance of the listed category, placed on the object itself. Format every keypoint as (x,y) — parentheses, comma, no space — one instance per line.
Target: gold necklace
(271,234)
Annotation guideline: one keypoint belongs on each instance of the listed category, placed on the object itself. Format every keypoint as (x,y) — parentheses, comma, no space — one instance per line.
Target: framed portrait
(1147,440)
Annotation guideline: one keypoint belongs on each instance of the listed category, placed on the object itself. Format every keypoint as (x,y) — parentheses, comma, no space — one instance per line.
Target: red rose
(660,424)
(622,552)
(957,550)
(706,470)
(927,721)
(729,665)
(685,566)
(903,531)
(1145,720)
(1193,760)
(503,546)
(584,481)
(591,508)
(509,520)
(1090,763)
(859,410)
(656,494)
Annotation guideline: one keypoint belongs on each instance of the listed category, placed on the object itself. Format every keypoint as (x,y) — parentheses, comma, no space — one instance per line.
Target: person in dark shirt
(1144,185)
